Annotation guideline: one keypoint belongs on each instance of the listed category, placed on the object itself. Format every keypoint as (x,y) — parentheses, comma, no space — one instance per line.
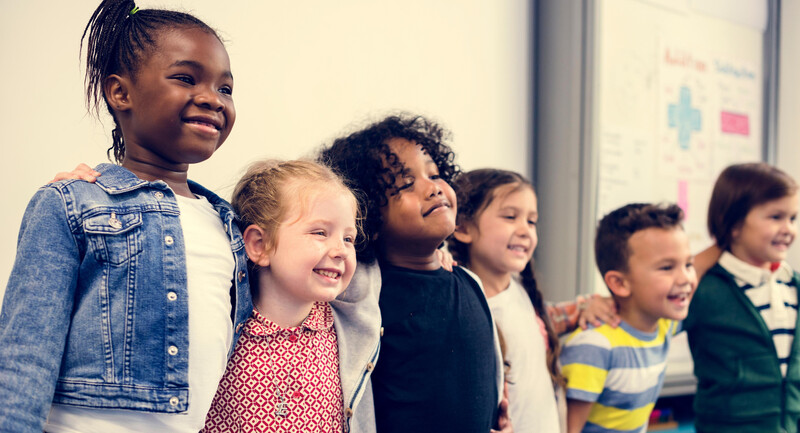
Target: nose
(791,226)
(209,98)
(522,228)
(687,275)
(337,249)
(433,188)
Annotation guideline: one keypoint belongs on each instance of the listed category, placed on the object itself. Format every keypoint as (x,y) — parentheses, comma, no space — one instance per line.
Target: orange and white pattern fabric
(299,364)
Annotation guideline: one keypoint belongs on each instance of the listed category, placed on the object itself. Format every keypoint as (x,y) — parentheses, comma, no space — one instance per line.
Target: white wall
(788,153)
(305,72)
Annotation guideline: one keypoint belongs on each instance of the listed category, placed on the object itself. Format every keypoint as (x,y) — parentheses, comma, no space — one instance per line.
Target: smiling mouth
(329,274)
(518,248)
(205,124)
(443,204)
(679,297)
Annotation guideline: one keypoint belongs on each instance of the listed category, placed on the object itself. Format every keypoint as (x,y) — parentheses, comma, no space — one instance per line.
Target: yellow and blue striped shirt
(621,370)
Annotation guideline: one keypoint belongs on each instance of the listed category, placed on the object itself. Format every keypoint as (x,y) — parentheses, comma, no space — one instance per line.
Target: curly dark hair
(119,37)
(611,247)
(366,161)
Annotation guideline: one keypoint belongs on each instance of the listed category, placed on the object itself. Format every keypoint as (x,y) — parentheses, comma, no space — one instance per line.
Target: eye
(435,176)
(188,79)
(666,267)
(349,239)
(226,90)
(406,186)
(509,217)
(319,233)
(532,222)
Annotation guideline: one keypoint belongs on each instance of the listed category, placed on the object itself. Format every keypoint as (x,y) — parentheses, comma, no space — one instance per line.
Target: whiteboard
(678,94)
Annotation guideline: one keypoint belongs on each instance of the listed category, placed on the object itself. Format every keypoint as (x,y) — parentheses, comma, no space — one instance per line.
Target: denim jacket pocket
(114,237)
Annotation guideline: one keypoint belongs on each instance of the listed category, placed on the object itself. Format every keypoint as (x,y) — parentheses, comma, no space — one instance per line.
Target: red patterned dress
(281,379)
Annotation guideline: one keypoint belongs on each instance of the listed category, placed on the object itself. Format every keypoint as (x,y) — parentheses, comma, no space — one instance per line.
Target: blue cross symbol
(684,117)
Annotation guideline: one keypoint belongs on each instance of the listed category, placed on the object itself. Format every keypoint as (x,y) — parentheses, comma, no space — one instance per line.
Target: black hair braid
(117,36)
(528,280)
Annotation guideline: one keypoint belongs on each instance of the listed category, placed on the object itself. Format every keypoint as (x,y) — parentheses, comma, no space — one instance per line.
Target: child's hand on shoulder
(446,259)
(597,309)
(81,172)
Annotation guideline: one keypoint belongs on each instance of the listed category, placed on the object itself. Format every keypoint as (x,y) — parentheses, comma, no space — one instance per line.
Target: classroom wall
(305,72)
(788,152)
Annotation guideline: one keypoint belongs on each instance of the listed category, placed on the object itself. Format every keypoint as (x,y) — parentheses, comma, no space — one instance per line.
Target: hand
(503,420)
(446,259)
(81,172)
(597,310)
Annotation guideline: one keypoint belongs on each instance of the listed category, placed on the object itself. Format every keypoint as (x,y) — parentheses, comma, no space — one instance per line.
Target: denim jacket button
(225,227)
(168,240)
(381,331)
(348,412)
(370,366)
(159,195)
(173,401)
(172,296)
(242,274)
(172,350)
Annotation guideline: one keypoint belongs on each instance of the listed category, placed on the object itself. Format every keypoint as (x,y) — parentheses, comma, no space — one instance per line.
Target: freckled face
(315,258)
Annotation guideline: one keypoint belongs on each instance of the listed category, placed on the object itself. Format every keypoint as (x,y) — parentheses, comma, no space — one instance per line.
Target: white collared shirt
(773,295)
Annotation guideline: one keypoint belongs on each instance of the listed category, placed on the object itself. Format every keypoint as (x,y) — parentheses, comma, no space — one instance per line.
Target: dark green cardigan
(740,387)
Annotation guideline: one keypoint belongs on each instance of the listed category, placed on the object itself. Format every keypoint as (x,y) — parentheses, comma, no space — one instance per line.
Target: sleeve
(35,317)
(563,315)
(586,359)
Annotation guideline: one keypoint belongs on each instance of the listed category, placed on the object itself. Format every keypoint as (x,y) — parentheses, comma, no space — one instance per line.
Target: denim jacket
(357,320)
(98,295)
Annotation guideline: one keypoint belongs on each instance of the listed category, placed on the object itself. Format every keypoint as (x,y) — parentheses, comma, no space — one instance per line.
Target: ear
(256,243)
(617,283)
(116,90)
(463,233)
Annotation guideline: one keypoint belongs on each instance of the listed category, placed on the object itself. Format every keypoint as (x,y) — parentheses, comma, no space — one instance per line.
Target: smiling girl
(125,295)
(300,364)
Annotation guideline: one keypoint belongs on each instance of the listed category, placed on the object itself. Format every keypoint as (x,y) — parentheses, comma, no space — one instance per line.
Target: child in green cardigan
(742,321)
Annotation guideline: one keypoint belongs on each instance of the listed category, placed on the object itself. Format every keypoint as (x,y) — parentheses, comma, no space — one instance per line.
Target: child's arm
(36,313)
(706,259)
(577,414)
(566,316)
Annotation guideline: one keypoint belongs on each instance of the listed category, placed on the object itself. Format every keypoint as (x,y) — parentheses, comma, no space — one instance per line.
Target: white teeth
(517,248)
(329,274)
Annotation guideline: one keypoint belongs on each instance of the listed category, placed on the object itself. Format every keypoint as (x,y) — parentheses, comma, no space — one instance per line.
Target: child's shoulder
(593,336)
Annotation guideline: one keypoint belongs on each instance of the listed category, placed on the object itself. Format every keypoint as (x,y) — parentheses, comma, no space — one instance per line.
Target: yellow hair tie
(134,10)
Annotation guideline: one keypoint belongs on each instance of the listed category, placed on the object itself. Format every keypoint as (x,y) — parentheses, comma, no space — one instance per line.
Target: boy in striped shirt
(614,375)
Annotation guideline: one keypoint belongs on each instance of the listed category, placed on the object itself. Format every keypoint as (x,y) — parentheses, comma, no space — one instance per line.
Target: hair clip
(134,10)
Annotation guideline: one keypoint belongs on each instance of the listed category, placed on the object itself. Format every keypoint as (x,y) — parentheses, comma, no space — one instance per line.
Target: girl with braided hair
(123,318)
(495,238)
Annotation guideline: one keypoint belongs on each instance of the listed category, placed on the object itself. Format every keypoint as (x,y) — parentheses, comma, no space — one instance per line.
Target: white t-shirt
(209,269)
(531,396)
